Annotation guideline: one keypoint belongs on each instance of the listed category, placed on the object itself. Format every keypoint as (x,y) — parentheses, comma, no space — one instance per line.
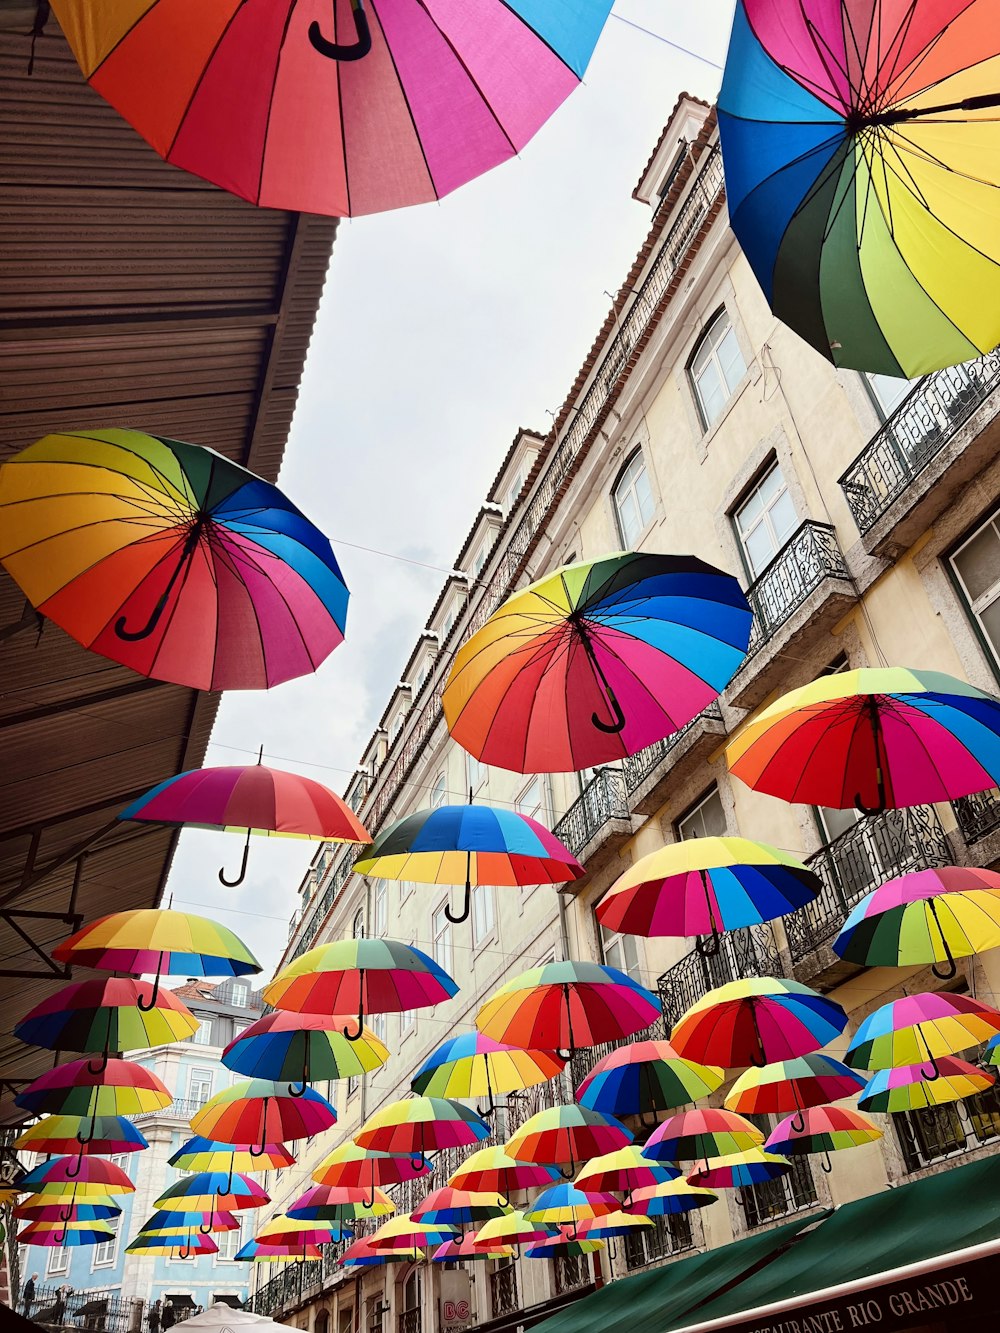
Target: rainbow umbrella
(510,1229)
(260,1252)
(300,1047)
(703,886)
(120,1087)
(927,916)
(470,844)
(793,1085)
(92,1175)
(161,941)
(43,1208)
(459,1208)
(360,976)
(463,1250)
(198,1154)
(907,1088)
(567,1005)
(622,1172)
(735,1170)
(558,1247)
(291,1231)
(339,1203)
(991,1055)
(366,108)
(921,1027)
(361,1255)
(609,1226)
(874,739)
(111,1135)
(495,1169)
(568,1205)
(824,1129)
(418,1125)
(191,1246)
(406,1233)
(645,1077)
(596,661)
(258,1111)
(212,1191)
(756,1022)
(565,1136)
(68,1236)
(703,1132)
(205,1220)
(352,1167)
(473,1065)
(667,1200)
(860,149)
(249,799)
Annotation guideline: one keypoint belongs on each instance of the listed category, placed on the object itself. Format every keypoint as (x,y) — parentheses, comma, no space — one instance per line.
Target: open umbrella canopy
(121,1087)
(260,1252)
(921,1028)
(168,1222)
(756,1022)
(991,1056)
(363,1168)
(563,1006)
(340,1203)
(875,739)
(822,1129)
(623,1171)
(704,886)
(69,1235)
(111,1135)
(191,1246)
(85,1178)
(558,1247)
(567,1204)
(667,1200)
(212,1190)
(510,1229)
(596,661)
(356,109)
(361,1255)
(284,1230)
(44,1208)
(566,1136)
(703,1132)
(106,1014)
(644,1077)
(463,1250)
(927,916)
(455,1207)
(170,559)
(419,1125)
(736,1170)
(495,1169)
(474,1065)
(608,1226)
(793,1085)
(848,130)
(198,1154)
(303,1047)
(907,1087)
(406,1233)
(257,1112)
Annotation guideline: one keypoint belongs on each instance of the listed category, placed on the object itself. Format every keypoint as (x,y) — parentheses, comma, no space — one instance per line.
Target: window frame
(440,784)
(627,542)
(445,932)
(111,1258)
(540,812)
(483,893)
(242,989)
(610,939)
(205,1023)
(770,466)
(703,799)
(722,312)
(989,650)
(358,928)
(52,1269)
(380,908)
(204,1075)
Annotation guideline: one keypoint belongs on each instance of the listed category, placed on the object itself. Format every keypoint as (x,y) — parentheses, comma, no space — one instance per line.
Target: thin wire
(684,50)
(389,555)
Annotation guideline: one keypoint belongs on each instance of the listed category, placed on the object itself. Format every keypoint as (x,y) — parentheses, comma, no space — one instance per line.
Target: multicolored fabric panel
(474,1065)
(106,1015)
(824,1129)
(259,1111)
(644,1077)
(921,1027)
(737,1170)
(419,1125)
(756,1022)
(385,976)
(158,940)
(706,1132)
(563,1005)
(564,1135)
(121,1087)
(307,1047)
(907,1088)
(791,1085)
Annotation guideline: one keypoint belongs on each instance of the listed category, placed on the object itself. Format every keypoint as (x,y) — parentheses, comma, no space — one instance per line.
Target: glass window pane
(760,548)
(706,820)
(978,562)
(990,618)
(629,516)
(645,497)
(750,511)
(731,360)
(783,517)
(711,392)
(890,391)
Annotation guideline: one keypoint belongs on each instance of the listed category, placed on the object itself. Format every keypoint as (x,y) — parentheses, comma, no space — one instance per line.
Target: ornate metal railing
(923,423)
(183,1109)
(939,1132)
(749,952)
(669,1235)
(318,907)
(777,1198)
(810,555)
(637,767)
(57,1304)
(504,1298)
(294,1283)
(978,814)
(409,1321)
(604,798)
(571,1271)
(877,848)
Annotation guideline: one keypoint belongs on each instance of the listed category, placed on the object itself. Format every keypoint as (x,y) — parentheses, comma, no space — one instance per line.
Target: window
(199,1086)
(396,726)
(449,620)
(477,564)
(239,1028)
(421,677)
(716,367)
(476,773)
(229,1243)
(104,1254)
(516,486)
(765,520)
(483,912)
(633,500)
(935,1133)
(203,1032)
(621,951)
(888,392)
(669,1235)
(380,908)
(378,1023)
(439,791)
(58,1261)
(441,930)
(407,1018)
(358,928)
(239,994)
(706,820)
(776,1198)
(976,565)
(530,801)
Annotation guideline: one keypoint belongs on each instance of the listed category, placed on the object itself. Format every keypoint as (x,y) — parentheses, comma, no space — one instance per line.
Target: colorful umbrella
(360,976)
(510,1229)
(567,1005)
(418,1125)
(459,1208)
(495,1169)
(66,1176)
(735,1170)
(824,1129)
(405,1233)
(198,1154)
(608,1226)
(105,1015)
(463,1250)
(849,133)
(596,661)
(258,1111)
(676,1196)
(473,1065)
(293,1232)
(170,559)
(43,1208)
(161,941)
(260,1252)
(907,1087)
(622,1172)
(559,1248)
(470,844)
(352,1167)
(566,1204)
(212,1191)
(921,1027)
(121,1087)
(111,1135)
(567,1136)
(340,1203)
(991,1055)
(410,102)
(927,916)
(645,1077)
(756,1022)
(703,1132)
(793,1085)
(67,1236)
(249,799)
(191,1246)
(300,1047)
(171,1223)
(875,739)
(361,1255)
(703,886)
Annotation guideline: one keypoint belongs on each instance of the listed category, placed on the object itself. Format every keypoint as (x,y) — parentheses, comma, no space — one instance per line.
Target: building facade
(862,516)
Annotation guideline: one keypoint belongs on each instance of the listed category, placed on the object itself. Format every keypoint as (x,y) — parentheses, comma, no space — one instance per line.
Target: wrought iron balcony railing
(604,798)
(927,418)
(777,1198)
(936,1133)
(749,952)
(585,1059)
(978,815)
(409,1321)
(571,1271)
(637,767)
(877,848)
(504,1298)
(294,1283)
(810,555)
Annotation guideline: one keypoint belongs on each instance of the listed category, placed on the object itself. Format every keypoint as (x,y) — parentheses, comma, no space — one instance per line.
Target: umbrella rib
(406,101)
(270,99)
(196,88)
(88,441)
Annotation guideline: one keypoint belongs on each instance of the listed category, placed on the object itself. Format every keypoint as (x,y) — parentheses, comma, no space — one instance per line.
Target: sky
(442,330)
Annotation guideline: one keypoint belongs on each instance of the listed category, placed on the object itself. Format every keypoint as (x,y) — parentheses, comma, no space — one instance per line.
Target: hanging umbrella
(120,1087)
(459,1208)
(874,739)
(191,1246)
(249,799)
(567,1136)
(340,1203)
(405,1233)
(596,661)
(495,1169)
(302,1047)
(567,1005)
(198,1154)
(161,941)
(703,886)
(259,1112)
(667,1200)
(66,1176)
(170,559)
(559,1248)
(609,1226)
(510,1229)
(622,1172)
(568,1205)
(43,1208)
(463,1250)
(919,1028)
(255,1251)
(105,1015)
(68,1236)
(824,1129)
(907,1088)
(111,1135)
(361,1255)
(212,1191)
(166,1222)
(371,107)
(793,1085)
(470,844)
(756,1022)
(991,1056)
(927,916)
(294,1232)
(645,1077)
(418,1125)
(473,1065)
(703,1132)
(735,1170)
(860,150)
(352,1167)
(360,976)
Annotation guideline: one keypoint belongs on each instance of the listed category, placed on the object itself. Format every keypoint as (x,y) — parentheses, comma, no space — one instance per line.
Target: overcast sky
(442,329)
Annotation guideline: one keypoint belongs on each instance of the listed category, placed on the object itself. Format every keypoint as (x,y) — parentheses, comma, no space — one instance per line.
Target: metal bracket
(12,917)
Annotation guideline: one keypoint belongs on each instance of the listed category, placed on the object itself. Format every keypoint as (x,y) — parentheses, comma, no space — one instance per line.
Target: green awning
(649,1302)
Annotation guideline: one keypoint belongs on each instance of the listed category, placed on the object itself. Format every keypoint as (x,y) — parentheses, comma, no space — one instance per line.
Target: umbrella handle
(799,1122)
(133,635)
(952,968)
(293,1089)
(935,1072)
(950,971)
(72,1175)
(241,876)
(84,1139)
(418,1160)
(457,918)
(65,1214)
(103,1063)
(356,1036)
(337,51)
(708,948)
(229,1182)
(140,1003)
(254,1150)
(185,1251)
(486,1111)
(883,803)
(184,560)
(618,724)
(370,1202)
(205,1230)
(826,1165)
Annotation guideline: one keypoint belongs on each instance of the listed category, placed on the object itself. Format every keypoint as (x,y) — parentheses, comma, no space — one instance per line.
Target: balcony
(939,437)
(750,952)
(796,601)
(877,848)
(585,1059)
(409,1321)
(598,821)
(772,1199)
(939,1133)
(295,1284)
(571,1272)
(977,817)
(649,773)
(504,1297)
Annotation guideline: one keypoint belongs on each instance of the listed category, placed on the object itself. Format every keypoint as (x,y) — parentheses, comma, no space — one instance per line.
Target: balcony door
(764,520)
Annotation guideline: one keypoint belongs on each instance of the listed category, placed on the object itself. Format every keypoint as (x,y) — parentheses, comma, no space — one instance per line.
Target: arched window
(716,367)
(358,930)
(439,791)
(633,499)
